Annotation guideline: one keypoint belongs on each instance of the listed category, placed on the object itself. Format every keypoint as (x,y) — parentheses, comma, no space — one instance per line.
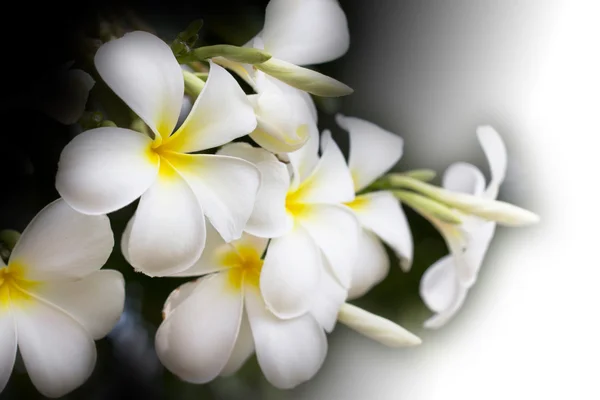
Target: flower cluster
(280,233)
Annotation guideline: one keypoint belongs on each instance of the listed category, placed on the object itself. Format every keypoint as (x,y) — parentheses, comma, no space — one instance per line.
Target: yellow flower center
(358,202)
(14,288)
(244,265)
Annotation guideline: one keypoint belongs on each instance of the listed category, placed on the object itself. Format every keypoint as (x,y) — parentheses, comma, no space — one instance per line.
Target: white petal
(8,345)
(60,242)
(371,267)
(211,259)
(335,230)
(167,231)
(382,213)
(310,110)
(439,284)
(291,273)
(243,349)
(373,150)
(142,70)
(479,236)
(58,352)
(464,178)
(304,161)
(377,328)
(495,151)
(269,217)
(330,181)
(96,301)
(226,187)
(289,351)
(328,300)
(442,318)
(220,114)
(198,336)
(306,31)
(105,169)
(178,296)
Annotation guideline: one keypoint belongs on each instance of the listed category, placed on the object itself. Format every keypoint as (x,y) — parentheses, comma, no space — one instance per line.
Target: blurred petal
(495,151)
(167,231)
(60,242)
(439,284)
(377,328)
(105,169)
(335,230)
(464,178)
(289,351)
(96,301)
(226,187)
(328,300)
(269,217)
(479,236)
(220,114)
(196,339)
(58,352)
(371,267)
(243,349)
(8,346)
(142,70)
(330,181)
(382,213)
(373,150)
(291,273)
(305,32)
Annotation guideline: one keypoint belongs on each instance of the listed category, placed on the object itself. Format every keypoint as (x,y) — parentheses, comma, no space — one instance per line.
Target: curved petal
(212,258)
(220,114)
(167,231)
(311,109)
(226,187)
(60,242)
(142,70)
(291,273)
(178,296)
(305,31)
(8,346)
(377,328)
(373,150)
(330,181)
(289,351)
(371,267)
(96,301)
(439,285)
(58,352)
(335,230)
(105,169)
(196,339)
(243,349)
(269,217)
(495,151)
(328,300)
(479,237)
(442,318)
(464,178)
(381,213)
(304,160)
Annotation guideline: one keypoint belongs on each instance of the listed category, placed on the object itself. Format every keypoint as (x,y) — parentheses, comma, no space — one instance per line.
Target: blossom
(213,324)
(55,300)
(445,284)
(298,32)
(105,169)
(373,151)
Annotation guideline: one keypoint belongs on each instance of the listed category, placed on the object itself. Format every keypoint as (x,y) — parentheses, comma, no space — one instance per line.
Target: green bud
(187,38)
(108,123)
(192,83)
(140,126)
(202,75)
(304,79)
(246,55)
(427,206)
(424,175)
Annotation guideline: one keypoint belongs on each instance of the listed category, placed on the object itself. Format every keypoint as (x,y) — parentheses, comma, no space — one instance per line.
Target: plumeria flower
(445,284)
(212,325)
(105,169)
(298,32)
(373,151)
(54,299)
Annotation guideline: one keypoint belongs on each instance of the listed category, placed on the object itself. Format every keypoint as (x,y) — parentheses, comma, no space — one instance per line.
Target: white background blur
(432,72)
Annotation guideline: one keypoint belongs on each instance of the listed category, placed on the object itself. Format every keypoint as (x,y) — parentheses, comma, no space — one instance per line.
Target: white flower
(55,300)
(105,169)
(212,325)
(445,284)
(299,32)
(373,151)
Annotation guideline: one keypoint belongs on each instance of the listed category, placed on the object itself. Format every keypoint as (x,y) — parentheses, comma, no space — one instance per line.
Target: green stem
(427,206)
(193,84)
